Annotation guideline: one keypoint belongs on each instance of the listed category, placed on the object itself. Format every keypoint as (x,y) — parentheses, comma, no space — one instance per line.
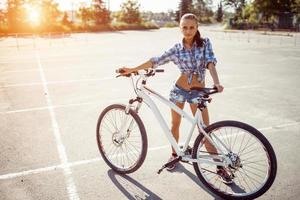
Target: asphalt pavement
(52,91)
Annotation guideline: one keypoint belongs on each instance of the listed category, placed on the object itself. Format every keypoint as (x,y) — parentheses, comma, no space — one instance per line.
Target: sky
(114,5)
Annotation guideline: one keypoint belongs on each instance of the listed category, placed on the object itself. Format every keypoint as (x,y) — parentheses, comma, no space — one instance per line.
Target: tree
(130,12)
(15,14)
(85,14)
(185,6)
(238,6)
(50,13)
(250,14)
(219,15)
(296,7)
(201,8)
(3,17)
(282,10)
(270,7)
(65,20)
(100,14)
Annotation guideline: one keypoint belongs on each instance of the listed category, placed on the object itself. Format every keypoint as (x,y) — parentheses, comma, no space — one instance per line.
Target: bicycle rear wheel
(253,157)
(123,152)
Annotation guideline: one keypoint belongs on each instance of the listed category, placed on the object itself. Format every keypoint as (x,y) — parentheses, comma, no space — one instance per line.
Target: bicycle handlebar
(151,72)
(207,91)
(145,72)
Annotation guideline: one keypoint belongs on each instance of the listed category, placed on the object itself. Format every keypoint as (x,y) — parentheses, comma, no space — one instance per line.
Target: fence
(260,37)
(32,41)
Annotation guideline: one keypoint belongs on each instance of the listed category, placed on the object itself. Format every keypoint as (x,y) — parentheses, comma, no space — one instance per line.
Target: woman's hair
(197,38)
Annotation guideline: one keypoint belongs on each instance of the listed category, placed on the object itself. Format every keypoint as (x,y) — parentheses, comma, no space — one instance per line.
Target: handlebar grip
(159,70)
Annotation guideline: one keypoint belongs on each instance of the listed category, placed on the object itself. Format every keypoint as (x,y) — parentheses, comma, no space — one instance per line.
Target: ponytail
(197,38)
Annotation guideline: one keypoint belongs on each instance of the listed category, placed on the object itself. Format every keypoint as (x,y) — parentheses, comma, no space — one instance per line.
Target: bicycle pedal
(168,164)
(160,170)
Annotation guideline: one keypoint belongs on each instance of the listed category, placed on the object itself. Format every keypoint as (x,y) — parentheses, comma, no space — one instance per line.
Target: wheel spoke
(249,177)
(123,150)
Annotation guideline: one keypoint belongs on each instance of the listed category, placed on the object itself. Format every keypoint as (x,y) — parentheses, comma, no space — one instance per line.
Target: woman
(192,56)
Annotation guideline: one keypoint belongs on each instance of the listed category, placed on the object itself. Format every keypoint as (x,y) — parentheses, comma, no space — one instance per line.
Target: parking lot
(52,90)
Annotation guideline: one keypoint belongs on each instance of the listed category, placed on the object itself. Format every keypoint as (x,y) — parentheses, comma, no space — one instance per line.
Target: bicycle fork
(124,122)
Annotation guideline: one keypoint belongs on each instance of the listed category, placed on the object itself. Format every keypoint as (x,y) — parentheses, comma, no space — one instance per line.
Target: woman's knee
(176,122)
(205,116)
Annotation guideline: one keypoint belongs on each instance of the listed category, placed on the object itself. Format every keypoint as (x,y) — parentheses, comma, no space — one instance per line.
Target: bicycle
(242,150)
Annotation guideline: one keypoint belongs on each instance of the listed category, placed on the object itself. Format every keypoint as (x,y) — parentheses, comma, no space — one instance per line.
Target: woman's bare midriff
(182,82)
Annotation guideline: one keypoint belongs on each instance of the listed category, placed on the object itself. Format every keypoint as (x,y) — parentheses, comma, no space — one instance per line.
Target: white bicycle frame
(144,92)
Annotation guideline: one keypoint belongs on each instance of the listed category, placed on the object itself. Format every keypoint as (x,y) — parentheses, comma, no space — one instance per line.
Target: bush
(126,26)
(171,24)
(3,29)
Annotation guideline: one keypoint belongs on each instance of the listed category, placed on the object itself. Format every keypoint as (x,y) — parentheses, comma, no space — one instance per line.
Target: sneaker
(172,167)
(224,175)
(188,151)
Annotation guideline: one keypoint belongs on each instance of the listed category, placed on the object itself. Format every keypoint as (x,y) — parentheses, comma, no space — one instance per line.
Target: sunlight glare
(33,15)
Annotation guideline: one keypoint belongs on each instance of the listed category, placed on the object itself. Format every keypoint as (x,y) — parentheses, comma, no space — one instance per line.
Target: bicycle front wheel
(122,139)
(254,164)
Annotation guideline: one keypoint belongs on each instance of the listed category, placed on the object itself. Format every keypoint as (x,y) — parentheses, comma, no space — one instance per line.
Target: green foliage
(219,14)
(270,7)
(130,13)
(237,5)
(250,14)
(201,8)
(100,14)
(125,26)
(185,6)
(85,15)
(50,13)
(15,14)
(264,13)
(65,20)
(171,24)
(296,7)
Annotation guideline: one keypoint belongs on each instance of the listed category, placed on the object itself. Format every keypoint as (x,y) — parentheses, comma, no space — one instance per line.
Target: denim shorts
(181,95)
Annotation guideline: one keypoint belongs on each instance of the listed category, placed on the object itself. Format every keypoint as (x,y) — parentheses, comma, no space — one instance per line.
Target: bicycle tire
(140,132)
(266,146)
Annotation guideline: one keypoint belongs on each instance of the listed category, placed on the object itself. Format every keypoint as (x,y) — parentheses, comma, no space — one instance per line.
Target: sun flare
(33,15)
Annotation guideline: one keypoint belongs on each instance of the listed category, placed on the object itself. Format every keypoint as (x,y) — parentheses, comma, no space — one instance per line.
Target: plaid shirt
(189,61)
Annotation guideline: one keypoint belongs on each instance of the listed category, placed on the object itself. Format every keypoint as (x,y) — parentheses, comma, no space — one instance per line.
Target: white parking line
(71,188)
(63,106)
(84,162)
(62,166)
(89,103)
(57,82)
(279,126)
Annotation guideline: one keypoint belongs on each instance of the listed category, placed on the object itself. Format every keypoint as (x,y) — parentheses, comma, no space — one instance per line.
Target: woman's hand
(125,70)
(219,87)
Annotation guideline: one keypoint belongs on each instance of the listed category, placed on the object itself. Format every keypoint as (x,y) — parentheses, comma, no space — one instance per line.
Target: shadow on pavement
(130,187)
(182,169)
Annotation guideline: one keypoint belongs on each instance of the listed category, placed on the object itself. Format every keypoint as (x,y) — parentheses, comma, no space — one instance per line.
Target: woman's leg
(176,119)
(210,148)
(225,176)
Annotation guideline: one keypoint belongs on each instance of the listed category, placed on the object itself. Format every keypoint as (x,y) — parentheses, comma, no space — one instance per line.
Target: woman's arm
(214,74)
(154,62)
(127,70)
